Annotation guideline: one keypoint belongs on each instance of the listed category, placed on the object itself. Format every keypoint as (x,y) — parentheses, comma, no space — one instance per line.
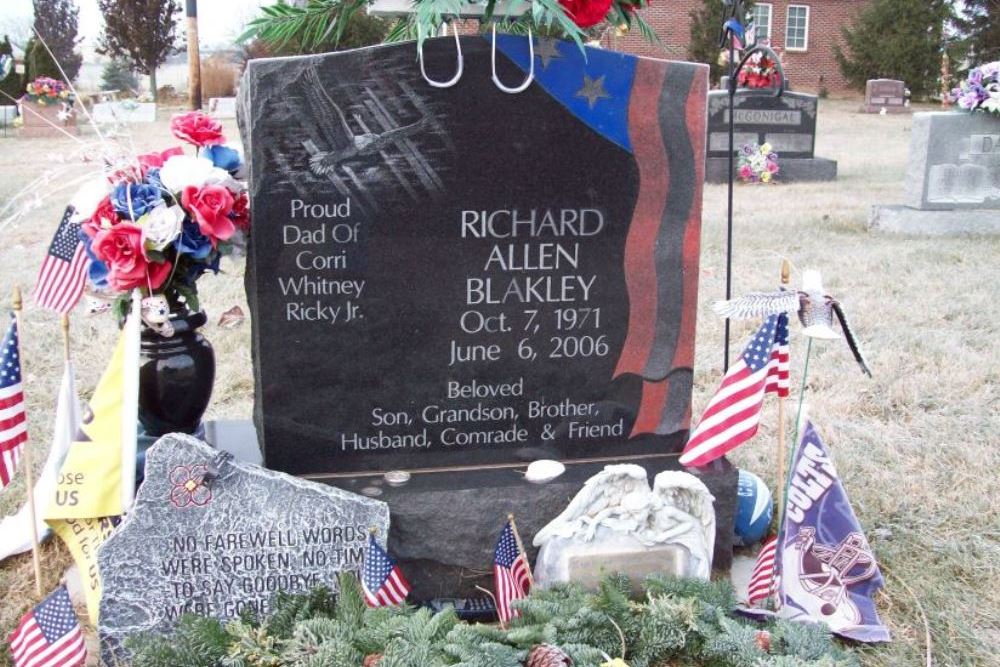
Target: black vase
(176,375)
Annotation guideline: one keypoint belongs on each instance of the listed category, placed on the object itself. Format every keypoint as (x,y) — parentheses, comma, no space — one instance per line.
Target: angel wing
(852,341)
(604,490)
(758,304)
(688,494)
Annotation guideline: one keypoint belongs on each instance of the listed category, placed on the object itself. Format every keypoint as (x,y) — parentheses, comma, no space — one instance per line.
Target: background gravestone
(953,178)
(887,94)
(226,546)
(787,122)
(456,282)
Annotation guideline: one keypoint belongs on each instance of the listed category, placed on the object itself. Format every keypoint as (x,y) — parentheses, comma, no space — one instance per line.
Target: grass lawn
(918,446)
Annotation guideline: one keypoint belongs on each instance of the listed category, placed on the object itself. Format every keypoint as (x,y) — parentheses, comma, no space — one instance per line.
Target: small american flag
(733,414)
(510,572)
(382,580)
(49,635)
(762,578)
(13,425)
(64,271)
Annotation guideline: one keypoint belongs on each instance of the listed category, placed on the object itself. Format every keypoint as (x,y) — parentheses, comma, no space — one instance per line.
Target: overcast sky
(219,21)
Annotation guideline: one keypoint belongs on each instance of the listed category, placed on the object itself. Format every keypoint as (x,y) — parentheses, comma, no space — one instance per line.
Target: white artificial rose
(180,171)
(161,226)
(88,197)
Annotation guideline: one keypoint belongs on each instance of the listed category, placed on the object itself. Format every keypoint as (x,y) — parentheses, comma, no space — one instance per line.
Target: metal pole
(729,207)
(194,55)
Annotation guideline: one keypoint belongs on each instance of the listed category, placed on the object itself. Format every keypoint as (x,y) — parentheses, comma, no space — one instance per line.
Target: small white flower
(161,226)
(180,171)
(87,198)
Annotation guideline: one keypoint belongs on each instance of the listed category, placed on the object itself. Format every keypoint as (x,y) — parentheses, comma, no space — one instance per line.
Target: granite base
(792,169)
(444,524)
(916,222)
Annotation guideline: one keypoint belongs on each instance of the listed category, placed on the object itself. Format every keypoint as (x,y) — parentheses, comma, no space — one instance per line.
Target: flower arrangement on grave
(168,217)
(760,71)
(981,89)
(672,622)
(322,24)
(45,91)
(757,163)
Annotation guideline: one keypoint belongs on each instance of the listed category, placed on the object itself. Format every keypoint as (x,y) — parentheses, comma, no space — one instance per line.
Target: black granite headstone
(455,282)
(787,122)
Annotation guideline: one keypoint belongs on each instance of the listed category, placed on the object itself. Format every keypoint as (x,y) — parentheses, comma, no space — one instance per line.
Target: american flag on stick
(64,271)
(13,421)
(762,578)
(382,580)
(511,572)
(733,414)
(49,635)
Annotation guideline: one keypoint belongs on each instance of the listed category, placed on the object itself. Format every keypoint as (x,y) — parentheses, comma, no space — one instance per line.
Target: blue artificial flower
(192,242)
(153,178)
(223,157)
(196,269)
(98,270)
(134,200)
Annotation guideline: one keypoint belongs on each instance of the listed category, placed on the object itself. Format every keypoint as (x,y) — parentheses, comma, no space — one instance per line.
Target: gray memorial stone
(888,94)
(787,122)
(224,546)
(953,179)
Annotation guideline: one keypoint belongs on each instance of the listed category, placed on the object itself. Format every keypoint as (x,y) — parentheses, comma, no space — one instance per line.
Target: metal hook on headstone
(461,62)
(531,67)
(214,467)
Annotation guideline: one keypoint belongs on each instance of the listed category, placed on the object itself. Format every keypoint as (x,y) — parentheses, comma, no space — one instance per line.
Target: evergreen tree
(896,39)
(39,62)
(57,23)
(117,75)
(143,32)
(979,23)
(706,26)
(11,85)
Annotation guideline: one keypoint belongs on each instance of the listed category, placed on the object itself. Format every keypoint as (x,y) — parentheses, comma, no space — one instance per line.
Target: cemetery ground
(917,446)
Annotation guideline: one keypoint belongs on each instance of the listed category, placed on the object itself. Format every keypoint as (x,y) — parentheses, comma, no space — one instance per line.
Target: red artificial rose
(156,160)
(586,13)
(121,248)
(196,128)
(104,216)
(241,212)
(210,205)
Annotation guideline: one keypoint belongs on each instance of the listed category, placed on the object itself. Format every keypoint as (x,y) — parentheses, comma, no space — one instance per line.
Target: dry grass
(218,77)
(917,446)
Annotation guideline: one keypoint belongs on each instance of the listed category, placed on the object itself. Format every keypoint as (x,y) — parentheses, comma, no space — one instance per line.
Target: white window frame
(770,19)
(788,17)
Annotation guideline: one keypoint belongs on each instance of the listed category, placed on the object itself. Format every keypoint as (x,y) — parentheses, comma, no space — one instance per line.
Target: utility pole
(194,55)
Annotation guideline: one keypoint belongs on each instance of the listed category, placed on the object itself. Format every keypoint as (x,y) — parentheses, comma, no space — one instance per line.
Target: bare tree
(143,32)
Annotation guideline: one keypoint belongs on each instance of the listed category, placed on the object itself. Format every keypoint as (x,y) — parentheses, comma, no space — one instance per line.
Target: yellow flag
(83,537)
(90,480)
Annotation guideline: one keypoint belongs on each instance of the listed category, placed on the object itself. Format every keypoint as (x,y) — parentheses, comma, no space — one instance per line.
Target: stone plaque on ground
(457,281)
(888,94)
(787,122)
(221,547)
(222,107)
(124,111)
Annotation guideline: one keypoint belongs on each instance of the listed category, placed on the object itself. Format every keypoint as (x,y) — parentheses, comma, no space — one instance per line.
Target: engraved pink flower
(188,486)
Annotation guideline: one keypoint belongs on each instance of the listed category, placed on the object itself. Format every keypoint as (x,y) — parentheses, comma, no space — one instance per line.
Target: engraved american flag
(64,271)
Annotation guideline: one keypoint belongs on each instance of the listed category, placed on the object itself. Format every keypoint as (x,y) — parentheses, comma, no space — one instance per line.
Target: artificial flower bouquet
(758,163)
(44,91)
(760,71)
(981,89)
(168,217)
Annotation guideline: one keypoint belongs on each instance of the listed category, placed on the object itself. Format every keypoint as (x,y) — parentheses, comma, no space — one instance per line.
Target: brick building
(804,31)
